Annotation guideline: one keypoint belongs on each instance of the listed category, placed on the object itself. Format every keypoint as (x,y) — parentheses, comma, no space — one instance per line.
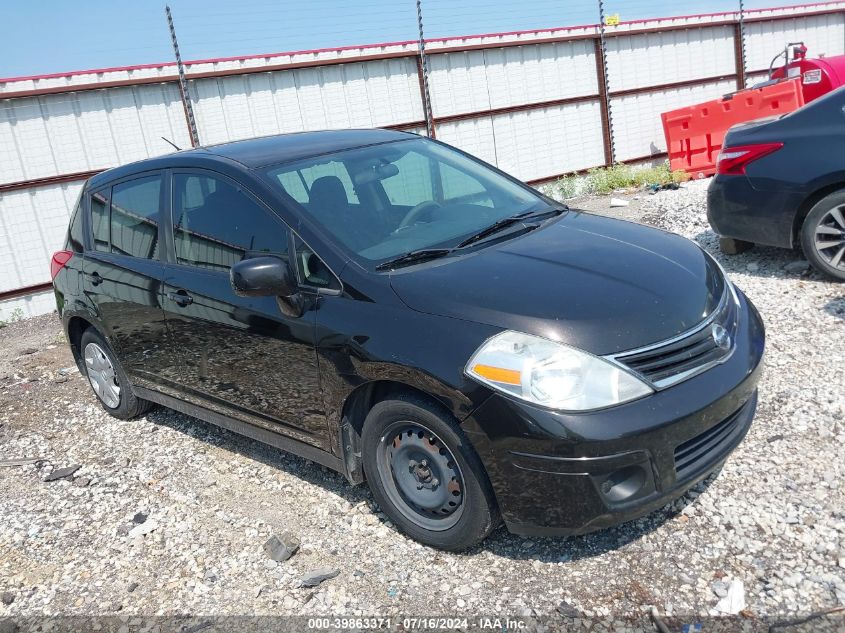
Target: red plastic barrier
(694,135)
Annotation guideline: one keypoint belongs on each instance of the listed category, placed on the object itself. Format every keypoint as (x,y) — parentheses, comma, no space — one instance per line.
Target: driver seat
(327,200)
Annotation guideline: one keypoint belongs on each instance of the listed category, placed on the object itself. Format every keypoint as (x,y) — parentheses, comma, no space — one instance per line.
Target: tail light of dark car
(58,261)
(732,161)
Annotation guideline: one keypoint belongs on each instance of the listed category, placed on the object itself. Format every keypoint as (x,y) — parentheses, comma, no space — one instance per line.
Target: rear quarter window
(75,233)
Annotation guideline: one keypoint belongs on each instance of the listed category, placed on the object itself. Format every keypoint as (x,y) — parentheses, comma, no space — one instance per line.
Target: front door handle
(96,278)
(181,298)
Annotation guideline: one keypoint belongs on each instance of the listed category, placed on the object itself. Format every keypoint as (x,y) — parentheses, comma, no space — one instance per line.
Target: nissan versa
(401,312)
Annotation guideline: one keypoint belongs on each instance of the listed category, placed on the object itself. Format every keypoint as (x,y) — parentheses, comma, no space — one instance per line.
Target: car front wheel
(823,235)
(425,476)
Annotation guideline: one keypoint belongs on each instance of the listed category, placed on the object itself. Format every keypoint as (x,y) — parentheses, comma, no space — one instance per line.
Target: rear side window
(216,224)
(135,217)
(74,241)
(100,220)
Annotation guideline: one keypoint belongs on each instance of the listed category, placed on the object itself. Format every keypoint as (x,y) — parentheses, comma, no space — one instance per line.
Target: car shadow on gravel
(501,542)
(304,469)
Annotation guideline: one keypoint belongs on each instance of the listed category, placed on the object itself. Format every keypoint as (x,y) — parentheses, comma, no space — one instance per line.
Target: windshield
(385,200)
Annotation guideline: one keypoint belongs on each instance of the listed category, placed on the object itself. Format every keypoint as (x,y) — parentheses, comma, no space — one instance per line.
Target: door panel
(122,275)
(240,356)
(244,354)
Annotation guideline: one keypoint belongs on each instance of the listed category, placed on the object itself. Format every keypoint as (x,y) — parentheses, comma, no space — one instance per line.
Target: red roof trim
(338,49)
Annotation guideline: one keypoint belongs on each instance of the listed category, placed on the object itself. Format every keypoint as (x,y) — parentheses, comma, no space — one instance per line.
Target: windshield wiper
(413,257)
(506,222)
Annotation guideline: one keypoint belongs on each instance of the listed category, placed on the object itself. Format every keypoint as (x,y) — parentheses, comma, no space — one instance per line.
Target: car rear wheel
(107,378)
(823,235)
(425,475)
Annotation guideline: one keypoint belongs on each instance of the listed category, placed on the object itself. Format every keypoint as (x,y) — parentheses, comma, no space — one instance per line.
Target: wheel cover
(101,375)
(829,237)
(421,476)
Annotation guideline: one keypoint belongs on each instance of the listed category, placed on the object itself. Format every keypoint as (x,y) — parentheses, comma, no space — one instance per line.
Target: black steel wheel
(421,475)
(424,474)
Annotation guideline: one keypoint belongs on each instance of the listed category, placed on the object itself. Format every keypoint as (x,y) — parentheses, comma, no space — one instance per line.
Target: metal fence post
(739,48)
(422,70)
(604,90)
(183,83)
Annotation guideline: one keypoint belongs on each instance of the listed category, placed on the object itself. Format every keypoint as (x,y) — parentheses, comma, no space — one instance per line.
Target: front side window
(135,217)
(384,200)
(312,271)
(217,224)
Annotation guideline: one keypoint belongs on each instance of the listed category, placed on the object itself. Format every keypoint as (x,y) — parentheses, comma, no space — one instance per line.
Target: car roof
(283,148)
(262,151)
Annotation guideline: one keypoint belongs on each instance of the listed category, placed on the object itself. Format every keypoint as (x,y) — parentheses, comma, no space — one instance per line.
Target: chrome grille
(709,343)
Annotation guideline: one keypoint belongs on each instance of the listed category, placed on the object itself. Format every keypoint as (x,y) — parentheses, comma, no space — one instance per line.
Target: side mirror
(263,276)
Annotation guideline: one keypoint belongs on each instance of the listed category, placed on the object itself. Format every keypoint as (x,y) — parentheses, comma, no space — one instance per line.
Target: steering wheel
(414,214)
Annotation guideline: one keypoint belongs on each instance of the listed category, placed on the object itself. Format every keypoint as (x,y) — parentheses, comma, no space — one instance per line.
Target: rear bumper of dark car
(735,208)
(562,474)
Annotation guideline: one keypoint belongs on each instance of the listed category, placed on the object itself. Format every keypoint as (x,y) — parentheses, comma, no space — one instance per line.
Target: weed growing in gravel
(14,317)
(603,180)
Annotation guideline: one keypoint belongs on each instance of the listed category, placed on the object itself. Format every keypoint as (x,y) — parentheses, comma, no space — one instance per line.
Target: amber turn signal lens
(497,374)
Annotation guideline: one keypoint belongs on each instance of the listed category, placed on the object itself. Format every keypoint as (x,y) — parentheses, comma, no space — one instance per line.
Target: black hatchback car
(781,182)
(401,312)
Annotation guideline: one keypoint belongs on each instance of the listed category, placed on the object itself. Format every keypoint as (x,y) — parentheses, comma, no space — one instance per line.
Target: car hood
(600,284)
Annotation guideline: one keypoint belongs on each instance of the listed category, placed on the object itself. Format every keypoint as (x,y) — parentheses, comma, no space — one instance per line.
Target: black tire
(129,405)
(417,425)
(825,216)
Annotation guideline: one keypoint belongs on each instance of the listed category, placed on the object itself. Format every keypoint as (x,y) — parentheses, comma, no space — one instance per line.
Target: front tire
(107,378)
(426,477)
(823,235)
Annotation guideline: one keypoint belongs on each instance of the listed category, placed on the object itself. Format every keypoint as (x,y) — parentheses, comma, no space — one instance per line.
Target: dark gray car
(781,182)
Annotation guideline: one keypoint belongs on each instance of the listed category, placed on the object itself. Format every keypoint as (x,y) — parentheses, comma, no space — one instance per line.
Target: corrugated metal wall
(531,103)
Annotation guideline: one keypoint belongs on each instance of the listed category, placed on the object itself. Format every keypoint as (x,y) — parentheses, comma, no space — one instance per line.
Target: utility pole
(183,83)
(423,72)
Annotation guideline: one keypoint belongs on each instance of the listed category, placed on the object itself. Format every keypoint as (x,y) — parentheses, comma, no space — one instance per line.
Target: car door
(248,357)
(123,272)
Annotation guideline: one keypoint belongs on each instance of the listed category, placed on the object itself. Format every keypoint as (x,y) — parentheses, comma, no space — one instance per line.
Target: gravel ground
(167,515)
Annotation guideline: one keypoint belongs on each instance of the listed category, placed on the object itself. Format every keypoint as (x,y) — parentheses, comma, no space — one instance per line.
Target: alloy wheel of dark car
(425,476)
(830,237)
(823,235)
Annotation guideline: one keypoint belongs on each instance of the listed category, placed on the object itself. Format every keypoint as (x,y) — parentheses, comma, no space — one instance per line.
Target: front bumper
(562,474)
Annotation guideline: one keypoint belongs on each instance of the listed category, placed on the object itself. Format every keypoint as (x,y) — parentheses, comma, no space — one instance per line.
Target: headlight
(552,374)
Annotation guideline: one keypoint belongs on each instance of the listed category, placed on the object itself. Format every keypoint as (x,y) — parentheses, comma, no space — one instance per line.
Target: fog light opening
(624,483)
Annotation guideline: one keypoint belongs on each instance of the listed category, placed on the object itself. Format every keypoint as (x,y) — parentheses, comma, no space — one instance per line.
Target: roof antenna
(169,142)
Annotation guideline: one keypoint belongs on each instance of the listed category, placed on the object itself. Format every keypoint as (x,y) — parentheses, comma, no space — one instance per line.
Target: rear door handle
(96,278)
(181,298)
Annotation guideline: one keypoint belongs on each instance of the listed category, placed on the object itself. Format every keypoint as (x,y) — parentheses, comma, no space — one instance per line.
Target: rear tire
(823,235)
(107,378)
(426,477)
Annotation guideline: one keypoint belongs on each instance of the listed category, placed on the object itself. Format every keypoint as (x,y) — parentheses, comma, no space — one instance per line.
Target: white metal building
(534,103)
